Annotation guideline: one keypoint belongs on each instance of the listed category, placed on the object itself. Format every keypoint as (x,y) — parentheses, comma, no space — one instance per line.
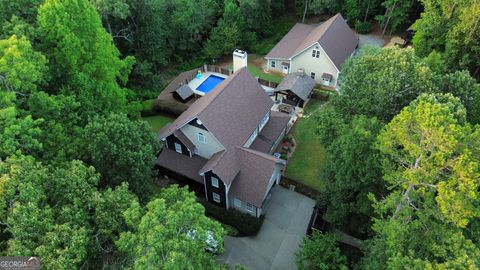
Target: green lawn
(308,159)
(158,121)
(258,72)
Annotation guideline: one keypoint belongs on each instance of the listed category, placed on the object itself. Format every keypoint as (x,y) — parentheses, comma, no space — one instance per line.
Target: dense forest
(77,165)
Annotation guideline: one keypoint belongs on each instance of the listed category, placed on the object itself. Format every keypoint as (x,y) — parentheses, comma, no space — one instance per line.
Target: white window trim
(201,135)
(264,121)
(250,207)
(272,64)
(179,148)
(216,181)
(216,195)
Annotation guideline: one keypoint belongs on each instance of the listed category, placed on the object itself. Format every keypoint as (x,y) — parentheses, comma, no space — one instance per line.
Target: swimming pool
(210,83)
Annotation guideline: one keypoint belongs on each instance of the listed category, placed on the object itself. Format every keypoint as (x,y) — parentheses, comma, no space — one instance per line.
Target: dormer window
(201,137)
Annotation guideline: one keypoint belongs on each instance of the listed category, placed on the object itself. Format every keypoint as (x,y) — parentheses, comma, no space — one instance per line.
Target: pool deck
(196,82)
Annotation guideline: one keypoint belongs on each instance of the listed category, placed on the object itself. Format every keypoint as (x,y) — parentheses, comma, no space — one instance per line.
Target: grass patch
(258,72)
(308,159)
(158,121)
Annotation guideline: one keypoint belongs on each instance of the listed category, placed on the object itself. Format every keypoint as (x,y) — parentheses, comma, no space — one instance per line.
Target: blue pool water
(209,83)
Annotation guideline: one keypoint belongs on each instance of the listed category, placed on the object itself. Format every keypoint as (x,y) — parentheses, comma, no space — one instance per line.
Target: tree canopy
(171,232)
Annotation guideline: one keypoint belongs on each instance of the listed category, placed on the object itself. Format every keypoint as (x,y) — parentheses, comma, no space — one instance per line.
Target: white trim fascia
(308,47)
(205,186)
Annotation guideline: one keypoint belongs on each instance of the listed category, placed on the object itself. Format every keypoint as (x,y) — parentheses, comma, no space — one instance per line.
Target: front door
(285,69)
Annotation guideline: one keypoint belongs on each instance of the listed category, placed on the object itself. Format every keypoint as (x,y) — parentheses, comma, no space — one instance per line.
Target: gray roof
(231,112)
(334,35)
(270,133)
(184,91)
(251,183)
(300,84)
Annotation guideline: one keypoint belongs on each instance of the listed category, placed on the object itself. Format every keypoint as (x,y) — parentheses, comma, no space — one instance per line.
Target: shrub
(168,107)
(245,224)
(363,27)
(321,94)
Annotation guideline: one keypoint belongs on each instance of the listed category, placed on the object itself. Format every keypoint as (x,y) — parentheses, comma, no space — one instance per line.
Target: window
(201,138)
(312,75)
(316,53)
(273,64)
(249,208)
(216,197)
(313,53)
(178,148)
(214,181)
(237,203)
(264,121)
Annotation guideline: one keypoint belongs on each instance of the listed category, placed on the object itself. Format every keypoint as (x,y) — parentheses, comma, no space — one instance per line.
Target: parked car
(211,244)
(317,223)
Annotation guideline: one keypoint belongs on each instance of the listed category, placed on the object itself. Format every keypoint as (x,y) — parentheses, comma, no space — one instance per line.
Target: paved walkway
(274,247)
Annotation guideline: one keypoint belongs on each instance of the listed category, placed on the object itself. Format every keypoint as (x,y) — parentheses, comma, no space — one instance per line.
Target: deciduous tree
(320,252)
(122,151)
(171,232)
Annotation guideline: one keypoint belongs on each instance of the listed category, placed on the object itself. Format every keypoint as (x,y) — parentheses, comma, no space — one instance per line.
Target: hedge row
(245,224)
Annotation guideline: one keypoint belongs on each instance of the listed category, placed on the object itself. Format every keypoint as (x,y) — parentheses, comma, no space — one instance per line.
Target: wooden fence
(299,187)
(267,83)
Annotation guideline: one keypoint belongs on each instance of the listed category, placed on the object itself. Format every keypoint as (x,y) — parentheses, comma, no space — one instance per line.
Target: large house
(318,50)
(224,141)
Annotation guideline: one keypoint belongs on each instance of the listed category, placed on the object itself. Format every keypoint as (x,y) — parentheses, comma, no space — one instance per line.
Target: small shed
(183,93)
(295,89)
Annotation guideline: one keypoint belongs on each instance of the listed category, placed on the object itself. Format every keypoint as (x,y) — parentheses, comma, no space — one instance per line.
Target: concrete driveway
(274,247)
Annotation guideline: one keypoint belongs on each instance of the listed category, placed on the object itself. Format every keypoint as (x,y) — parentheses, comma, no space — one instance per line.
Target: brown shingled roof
(184,139)
(334,35)
(270,133)
(230,112)
(251,183)
(182,164)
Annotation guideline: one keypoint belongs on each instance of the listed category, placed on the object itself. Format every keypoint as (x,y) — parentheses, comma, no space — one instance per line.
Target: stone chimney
(239,59)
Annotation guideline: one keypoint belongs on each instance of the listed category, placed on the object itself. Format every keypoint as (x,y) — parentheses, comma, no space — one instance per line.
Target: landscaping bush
(363,27)
(168,107)
(321,94)
(245,224)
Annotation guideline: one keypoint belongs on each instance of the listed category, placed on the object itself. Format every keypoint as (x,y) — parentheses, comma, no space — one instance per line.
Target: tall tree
(19,134)
(320,252)
(84,61)
(352,179)
(21,68)
(60,126)
(380,82)
(121,150)
(226,36)
(396,14)
(24,9)
(451,28)
(171,232)
(430,162)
